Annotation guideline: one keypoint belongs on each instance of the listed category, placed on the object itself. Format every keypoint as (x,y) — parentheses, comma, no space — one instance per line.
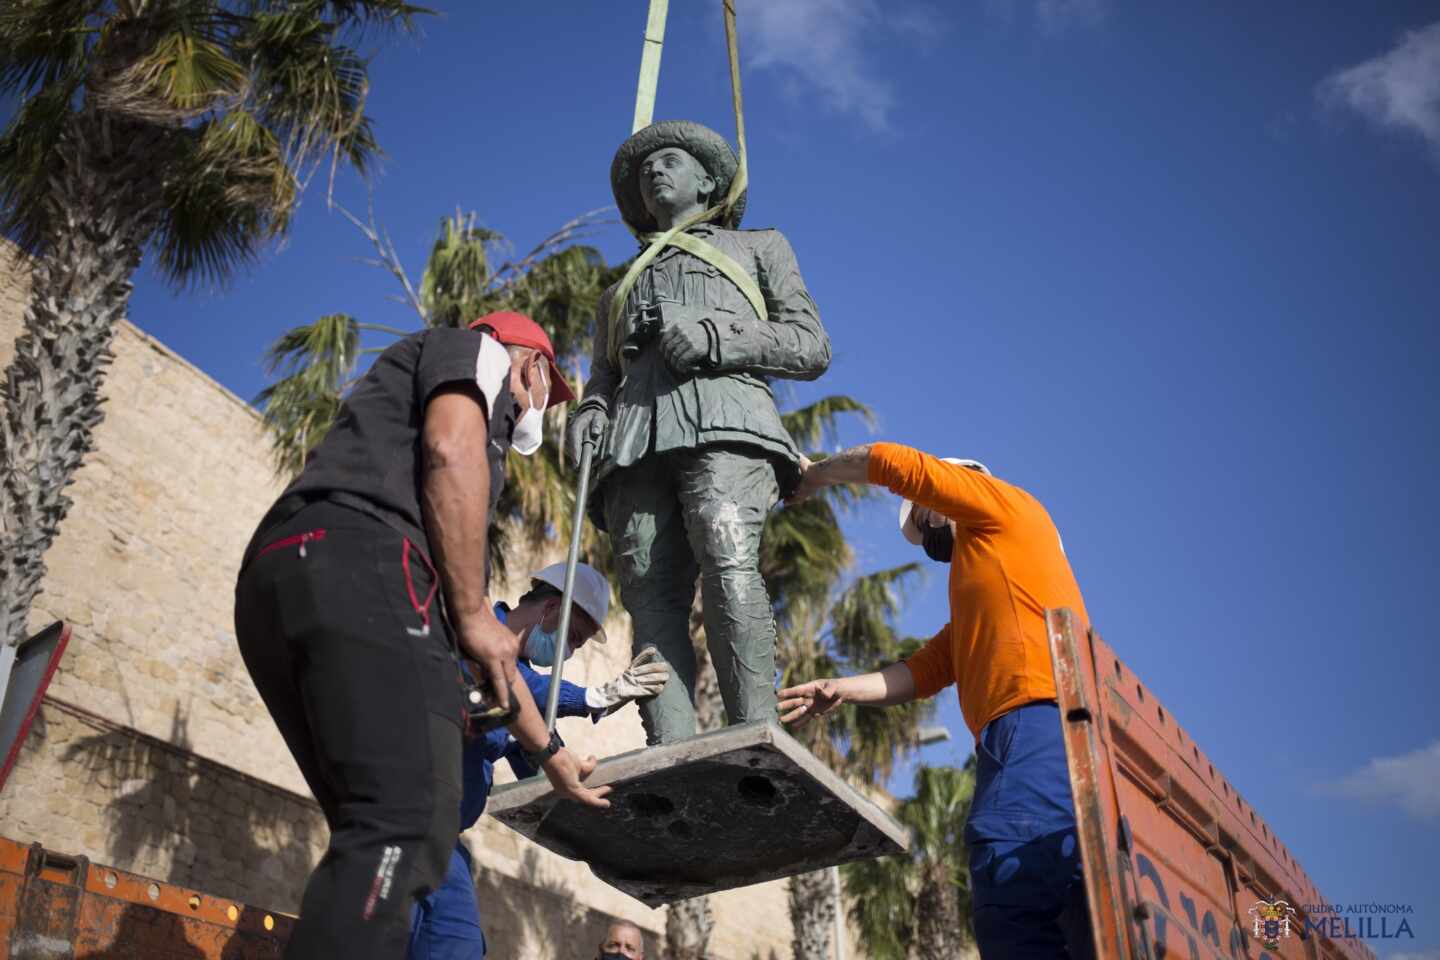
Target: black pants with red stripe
(332,624)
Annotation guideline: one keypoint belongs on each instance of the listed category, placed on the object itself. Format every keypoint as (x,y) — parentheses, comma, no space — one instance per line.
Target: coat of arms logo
(1272,921)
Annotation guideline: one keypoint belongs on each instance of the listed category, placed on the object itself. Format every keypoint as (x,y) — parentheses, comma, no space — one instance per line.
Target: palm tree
(861,744)
(919,904)
(182,128)
(823,630)
(467,274)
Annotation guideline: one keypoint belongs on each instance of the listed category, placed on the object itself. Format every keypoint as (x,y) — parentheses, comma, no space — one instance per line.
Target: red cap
(518,330)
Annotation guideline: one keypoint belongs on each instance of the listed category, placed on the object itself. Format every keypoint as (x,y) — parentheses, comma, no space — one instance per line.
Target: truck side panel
(1175,860)
(55,906)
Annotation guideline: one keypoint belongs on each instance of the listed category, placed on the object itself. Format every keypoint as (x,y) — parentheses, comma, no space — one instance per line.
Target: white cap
(592,591)
(906,527)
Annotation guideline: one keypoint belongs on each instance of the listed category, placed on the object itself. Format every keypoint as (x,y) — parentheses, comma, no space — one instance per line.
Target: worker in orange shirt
(1007,567)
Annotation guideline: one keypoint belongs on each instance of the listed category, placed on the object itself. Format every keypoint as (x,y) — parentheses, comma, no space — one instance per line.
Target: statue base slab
(725,809)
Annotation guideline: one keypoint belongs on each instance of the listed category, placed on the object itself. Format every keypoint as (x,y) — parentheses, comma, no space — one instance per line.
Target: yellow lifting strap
(650,65)
(676,236)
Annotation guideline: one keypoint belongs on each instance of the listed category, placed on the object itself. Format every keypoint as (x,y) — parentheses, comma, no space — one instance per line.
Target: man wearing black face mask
(623,941)
(1007,567)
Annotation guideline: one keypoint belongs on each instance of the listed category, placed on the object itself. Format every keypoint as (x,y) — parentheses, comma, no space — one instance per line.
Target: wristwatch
(537,759)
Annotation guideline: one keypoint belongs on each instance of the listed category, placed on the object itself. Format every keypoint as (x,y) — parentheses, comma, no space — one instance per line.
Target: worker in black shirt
(339,622)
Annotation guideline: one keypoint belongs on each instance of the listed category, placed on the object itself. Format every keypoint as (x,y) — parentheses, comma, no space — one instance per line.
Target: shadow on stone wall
(175,816)
(529,916)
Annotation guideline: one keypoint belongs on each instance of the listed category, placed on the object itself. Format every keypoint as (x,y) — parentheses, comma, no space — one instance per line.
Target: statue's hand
(685,345)
(811,480)
(585,423)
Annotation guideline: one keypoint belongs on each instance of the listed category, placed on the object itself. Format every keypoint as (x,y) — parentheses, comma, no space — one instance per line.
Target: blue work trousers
(446,924)
(1029,901)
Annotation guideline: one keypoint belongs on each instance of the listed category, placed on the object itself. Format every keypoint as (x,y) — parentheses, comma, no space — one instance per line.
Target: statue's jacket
(651,410)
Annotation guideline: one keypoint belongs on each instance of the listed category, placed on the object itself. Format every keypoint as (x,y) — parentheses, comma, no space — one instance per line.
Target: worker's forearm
(847,466)
(528,727)
(884,688)
(456,488)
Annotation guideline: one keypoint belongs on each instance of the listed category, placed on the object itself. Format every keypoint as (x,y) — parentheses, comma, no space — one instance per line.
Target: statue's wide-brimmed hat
(712,150)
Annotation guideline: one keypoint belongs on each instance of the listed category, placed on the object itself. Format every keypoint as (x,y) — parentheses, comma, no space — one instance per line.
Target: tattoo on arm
(847,466)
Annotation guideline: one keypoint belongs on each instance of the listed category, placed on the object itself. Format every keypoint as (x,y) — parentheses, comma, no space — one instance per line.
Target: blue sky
(1172,267)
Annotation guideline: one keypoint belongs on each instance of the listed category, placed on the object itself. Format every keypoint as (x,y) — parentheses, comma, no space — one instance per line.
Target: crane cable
(675,236)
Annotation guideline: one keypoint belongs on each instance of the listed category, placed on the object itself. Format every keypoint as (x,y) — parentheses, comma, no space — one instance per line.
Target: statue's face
(672,181)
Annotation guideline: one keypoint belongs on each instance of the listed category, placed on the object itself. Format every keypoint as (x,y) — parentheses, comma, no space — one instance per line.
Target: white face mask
(529,432)
(530,429)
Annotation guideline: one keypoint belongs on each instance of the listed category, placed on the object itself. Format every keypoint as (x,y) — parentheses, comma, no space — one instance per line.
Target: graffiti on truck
(1199,933)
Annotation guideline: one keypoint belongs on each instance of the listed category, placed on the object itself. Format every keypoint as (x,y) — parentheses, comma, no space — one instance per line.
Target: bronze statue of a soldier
(693,454)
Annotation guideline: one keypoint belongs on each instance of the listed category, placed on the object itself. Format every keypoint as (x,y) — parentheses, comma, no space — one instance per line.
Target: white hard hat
(906,527)
(592,592)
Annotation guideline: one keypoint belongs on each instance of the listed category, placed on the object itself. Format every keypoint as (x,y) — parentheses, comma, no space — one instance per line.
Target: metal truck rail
(57,907)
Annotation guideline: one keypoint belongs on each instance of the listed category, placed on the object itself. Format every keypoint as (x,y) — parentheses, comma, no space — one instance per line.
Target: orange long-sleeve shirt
(1007,569)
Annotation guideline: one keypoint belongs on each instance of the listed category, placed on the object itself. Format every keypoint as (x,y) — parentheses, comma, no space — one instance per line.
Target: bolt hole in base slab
(652,804)
(680,830)
(758,791)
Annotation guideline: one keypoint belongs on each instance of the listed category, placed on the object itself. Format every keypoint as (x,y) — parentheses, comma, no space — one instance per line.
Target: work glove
(586,422)
(688,345)
(645,677)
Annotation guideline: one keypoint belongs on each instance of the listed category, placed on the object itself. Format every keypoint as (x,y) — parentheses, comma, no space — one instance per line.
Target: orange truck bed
(58,907)
(1177,864)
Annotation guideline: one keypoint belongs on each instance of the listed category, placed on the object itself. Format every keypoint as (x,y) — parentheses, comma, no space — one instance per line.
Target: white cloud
(1410,955)
(821,47)
(1052,17)
(1398,90)
(1410,781)
(1057,16)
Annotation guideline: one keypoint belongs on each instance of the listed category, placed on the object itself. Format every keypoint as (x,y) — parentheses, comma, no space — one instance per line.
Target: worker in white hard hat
(446,924)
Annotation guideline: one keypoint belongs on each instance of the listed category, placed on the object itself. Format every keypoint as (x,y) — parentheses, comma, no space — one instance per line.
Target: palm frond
(314,362)
(936,816)
(561,292)
(28,160)
(325,349)
(310,91)
(891,897)
(879,739)
(456,282)
(234,107)
(181,77)
(298,412)
(371,14)
(817,425)
(234,191)
(881,906)
(42,42)
(862,619)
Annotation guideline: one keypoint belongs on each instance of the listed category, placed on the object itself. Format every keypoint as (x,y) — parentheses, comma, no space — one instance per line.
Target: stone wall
(154,752)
